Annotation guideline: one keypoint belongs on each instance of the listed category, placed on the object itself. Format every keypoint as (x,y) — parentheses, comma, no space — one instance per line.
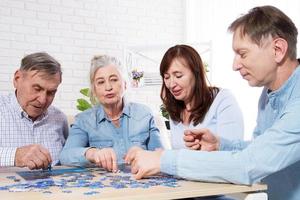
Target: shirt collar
(17,107)
(287,84)
(102,116)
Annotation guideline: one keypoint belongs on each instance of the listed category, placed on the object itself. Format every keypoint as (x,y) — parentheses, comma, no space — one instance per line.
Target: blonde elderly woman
(114,129)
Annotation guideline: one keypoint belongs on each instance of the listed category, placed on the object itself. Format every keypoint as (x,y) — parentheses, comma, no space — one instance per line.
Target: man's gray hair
(42,62)
(263,21)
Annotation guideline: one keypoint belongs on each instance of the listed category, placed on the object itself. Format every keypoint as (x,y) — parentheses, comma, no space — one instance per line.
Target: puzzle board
(97,184)
(84,182)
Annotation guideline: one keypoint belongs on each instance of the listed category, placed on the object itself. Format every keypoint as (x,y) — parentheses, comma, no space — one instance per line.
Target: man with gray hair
(32,133)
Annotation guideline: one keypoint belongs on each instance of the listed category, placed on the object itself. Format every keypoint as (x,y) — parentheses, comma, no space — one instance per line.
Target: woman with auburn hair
(192,103)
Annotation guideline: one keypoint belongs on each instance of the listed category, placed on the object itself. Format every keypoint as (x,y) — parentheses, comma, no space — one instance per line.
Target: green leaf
(206,67)
(81,108)
(83,104)
(164,112)
(85,92)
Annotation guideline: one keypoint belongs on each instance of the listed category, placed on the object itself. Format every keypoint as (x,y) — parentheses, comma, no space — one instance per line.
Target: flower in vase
(136,75)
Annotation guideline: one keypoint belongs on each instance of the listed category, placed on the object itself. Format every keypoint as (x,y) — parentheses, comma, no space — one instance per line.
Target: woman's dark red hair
(203,94)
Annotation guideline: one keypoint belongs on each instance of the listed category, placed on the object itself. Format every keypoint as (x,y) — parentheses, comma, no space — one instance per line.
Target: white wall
(74,30)
(208,20)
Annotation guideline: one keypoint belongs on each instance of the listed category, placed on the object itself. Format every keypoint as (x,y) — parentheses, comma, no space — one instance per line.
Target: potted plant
(166,115)
(85,103)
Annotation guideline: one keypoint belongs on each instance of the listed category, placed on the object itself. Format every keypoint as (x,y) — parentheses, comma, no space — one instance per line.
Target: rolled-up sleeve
(74,150)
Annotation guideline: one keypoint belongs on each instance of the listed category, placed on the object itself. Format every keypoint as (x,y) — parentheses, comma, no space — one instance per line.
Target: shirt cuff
(7,156)
(168,162)
(82,158)
(225,145)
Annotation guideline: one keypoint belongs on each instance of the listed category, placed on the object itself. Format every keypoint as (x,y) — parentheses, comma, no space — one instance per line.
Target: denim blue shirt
(92,128)
(273,157)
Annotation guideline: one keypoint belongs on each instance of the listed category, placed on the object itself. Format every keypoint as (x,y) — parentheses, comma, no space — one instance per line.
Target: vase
(135,83)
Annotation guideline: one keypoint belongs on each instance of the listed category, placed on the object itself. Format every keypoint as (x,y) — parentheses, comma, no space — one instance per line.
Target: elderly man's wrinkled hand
(33,156)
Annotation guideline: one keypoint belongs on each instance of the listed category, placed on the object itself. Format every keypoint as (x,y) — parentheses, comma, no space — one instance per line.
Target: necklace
(115,119)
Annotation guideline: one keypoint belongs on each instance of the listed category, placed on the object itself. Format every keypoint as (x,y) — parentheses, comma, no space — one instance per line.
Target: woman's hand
(131,154)
(105,158)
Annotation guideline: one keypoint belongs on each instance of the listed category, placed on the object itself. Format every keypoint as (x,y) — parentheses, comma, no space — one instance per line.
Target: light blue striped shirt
(273,157)
(17,129)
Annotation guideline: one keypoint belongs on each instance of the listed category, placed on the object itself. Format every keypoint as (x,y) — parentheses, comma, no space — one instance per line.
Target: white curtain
(208,20)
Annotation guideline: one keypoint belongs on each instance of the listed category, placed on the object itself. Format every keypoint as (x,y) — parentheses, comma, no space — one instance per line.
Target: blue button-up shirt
(92,128)
(17,130)
(273,157)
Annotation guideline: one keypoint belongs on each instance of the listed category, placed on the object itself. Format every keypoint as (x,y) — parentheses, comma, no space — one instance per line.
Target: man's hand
(131,154)
(146,163)
(201,139)
(105,158)
(33,156)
